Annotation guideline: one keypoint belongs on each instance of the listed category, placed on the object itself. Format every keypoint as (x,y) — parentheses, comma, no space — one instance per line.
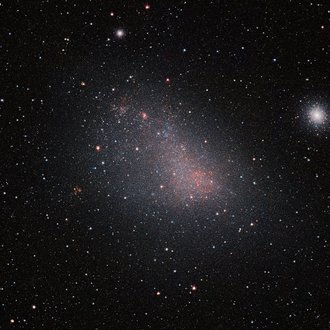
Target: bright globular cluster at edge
(317,115)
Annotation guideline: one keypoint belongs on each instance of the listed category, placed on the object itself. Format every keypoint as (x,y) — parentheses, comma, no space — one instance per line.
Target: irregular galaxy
(166,161)
(165,165)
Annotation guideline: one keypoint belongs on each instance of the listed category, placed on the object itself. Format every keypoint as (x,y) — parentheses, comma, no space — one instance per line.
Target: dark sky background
(164,164)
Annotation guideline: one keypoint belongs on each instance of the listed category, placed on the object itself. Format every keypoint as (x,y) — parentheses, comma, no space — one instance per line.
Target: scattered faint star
(77,190)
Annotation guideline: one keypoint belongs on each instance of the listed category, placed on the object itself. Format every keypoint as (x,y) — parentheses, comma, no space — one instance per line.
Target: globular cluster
(317,115)
(165,165)
(120,33)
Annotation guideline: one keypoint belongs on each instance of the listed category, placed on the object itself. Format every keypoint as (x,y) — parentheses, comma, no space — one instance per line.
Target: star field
(165,165)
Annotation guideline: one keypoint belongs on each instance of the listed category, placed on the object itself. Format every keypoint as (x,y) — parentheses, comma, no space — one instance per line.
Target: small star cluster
(165,165)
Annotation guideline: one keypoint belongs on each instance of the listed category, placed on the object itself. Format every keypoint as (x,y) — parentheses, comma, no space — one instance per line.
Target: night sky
(165,164)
